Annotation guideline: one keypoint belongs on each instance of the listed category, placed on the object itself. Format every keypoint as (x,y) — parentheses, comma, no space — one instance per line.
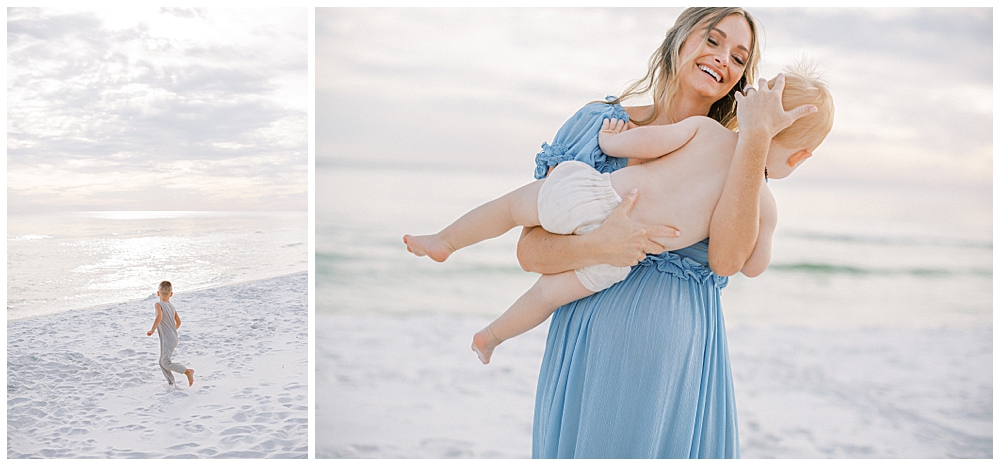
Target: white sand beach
(85,383)
(409,387)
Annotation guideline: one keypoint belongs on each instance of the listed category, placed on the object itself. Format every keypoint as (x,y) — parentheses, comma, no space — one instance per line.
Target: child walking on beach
(681,170)
(166,323)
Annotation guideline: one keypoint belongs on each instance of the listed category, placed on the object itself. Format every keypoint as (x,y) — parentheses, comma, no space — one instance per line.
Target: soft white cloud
(113,100)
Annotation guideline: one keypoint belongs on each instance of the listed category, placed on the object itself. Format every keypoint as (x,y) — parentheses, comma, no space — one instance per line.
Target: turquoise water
(844,255)
(59,261)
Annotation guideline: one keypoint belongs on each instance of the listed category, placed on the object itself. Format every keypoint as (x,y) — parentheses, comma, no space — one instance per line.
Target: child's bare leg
(190,375)
(531,309)
(492,219)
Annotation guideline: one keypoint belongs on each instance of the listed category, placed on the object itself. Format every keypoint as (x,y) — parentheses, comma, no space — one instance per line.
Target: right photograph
(653,233)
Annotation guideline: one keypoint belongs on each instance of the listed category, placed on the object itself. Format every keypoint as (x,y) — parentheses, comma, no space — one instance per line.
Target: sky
(157,109)
(481,89)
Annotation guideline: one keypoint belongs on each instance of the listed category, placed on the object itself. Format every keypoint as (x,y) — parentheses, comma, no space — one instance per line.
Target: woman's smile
(715,66)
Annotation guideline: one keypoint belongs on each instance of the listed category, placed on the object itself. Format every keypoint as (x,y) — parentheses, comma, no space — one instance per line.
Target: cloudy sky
(482,89)
(157,109)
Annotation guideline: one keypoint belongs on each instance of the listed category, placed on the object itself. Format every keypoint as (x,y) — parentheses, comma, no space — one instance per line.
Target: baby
(680,188)
(166,323)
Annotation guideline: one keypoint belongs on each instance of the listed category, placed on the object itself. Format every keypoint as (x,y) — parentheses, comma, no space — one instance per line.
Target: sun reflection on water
(75,260)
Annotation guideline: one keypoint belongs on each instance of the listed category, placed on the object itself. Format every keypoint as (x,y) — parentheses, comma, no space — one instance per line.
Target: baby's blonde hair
(803,86)
(166,287)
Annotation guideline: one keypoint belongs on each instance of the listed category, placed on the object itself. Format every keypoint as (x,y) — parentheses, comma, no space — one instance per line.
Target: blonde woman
(641,369)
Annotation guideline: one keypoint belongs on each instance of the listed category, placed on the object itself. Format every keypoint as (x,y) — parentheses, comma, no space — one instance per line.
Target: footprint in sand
(183,446)
(193,428)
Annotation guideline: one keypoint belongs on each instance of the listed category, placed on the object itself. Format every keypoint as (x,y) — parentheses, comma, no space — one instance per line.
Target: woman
(642,369)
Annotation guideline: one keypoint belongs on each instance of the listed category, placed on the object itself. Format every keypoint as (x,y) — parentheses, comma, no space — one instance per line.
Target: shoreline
(152,295)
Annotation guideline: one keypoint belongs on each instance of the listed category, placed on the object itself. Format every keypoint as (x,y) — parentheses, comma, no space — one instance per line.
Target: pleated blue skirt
(641,369)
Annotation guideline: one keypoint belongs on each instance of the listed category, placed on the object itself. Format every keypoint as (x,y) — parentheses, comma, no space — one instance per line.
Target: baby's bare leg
(492,219)
(531,309)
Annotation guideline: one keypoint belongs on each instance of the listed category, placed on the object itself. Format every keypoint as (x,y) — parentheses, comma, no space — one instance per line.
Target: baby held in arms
(680,169)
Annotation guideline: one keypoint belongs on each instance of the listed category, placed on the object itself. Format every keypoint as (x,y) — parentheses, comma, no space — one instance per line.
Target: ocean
(845,255)
(75,260)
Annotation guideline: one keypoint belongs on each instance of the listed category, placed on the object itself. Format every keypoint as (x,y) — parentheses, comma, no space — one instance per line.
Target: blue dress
(641,369)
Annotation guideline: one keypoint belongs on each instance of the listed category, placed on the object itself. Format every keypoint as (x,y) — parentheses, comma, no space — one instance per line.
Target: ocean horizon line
(152,295)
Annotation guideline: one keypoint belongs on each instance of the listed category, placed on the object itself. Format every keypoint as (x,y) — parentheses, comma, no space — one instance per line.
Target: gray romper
(168,341)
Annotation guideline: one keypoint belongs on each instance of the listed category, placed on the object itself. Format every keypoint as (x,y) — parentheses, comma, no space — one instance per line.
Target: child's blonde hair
(166,287)
(803,86)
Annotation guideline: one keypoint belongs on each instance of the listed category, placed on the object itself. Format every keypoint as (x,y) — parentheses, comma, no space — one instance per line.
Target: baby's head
(802,87)
(165,290)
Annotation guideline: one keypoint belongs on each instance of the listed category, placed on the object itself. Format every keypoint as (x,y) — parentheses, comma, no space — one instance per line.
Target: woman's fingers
(779,83)
(625,240)
(625,207)
(636,239)
(801,111)
(657,236)
(760,110)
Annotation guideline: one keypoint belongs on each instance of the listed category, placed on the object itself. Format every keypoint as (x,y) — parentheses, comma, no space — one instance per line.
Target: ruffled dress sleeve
(577,140)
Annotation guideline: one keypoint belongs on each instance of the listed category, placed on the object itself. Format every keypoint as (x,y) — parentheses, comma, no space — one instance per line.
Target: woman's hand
(735,224)
(621,242)
(617,241)
(760,113)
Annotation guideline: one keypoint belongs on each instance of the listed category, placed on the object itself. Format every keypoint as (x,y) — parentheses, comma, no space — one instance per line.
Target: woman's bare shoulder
(638,111)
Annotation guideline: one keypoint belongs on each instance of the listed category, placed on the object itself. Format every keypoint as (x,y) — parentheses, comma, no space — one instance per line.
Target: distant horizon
(526,170)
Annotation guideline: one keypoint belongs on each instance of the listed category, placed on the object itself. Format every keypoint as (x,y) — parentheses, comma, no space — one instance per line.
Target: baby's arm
(177,319)
(646,142)
(156,323)
(761,256)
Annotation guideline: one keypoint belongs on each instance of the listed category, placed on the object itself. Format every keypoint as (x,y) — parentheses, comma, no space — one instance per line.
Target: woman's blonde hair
(803,86)
(661,77)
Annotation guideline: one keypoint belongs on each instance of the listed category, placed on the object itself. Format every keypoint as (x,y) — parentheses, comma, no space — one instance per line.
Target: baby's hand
(149,333)
(609,127)
(612,126)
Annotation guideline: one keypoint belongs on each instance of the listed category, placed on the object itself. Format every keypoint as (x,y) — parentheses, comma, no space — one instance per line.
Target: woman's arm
(647,142)
(734,227)
(761,256)
(618,241)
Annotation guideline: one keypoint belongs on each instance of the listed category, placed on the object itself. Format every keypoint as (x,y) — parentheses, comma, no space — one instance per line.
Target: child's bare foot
(483,343)
(427,245)
(190,375)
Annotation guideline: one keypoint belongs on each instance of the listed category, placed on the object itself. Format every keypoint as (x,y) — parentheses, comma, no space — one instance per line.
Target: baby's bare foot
(427,245)
(483,343)
(190,375)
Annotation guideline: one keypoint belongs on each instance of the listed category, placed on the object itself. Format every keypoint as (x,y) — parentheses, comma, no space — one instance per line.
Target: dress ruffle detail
(577,140)
(684,268)
(550,156)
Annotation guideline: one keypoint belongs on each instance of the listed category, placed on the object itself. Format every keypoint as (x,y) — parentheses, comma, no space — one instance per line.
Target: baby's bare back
(681,189)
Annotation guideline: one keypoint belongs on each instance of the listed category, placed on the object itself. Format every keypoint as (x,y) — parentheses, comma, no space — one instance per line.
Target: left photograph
(157,233)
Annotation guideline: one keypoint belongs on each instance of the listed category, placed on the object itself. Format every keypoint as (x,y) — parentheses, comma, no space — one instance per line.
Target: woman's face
(715,68)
